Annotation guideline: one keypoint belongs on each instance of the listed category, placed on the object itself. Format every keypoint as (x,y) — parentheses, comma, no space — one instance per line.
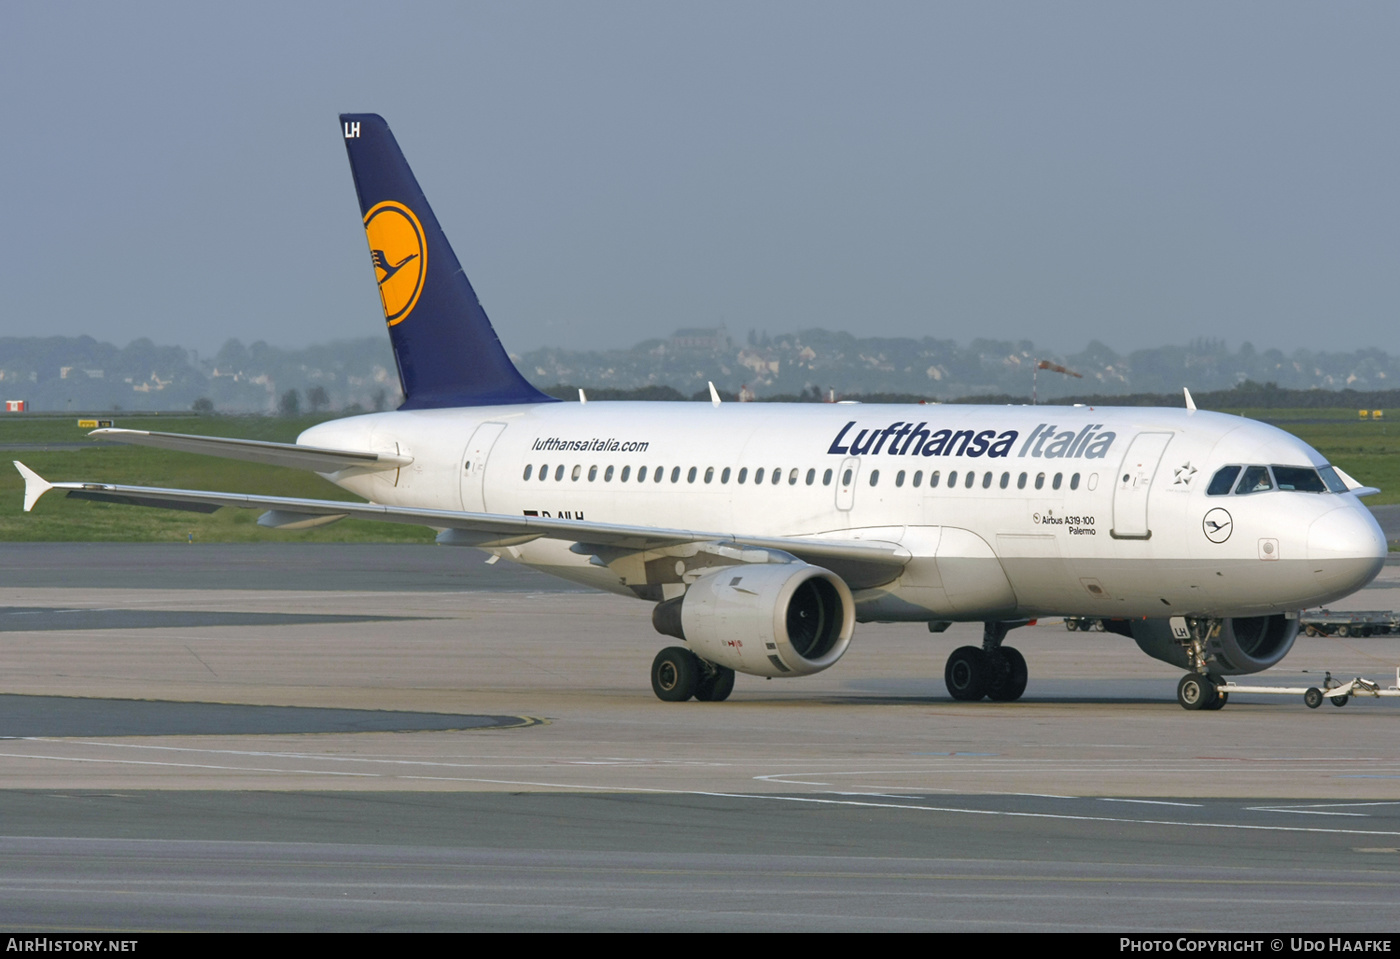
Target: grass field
(58,450)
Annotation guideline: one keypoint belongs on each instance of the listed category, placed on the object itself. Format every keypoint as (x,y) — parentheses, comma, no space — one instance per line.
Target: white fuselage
(1005,511)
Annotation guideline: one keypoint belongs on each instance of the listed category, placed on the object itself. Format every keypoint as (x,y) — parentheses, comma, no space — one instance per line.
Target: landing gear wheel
(1313,698)
(1008,675)
(967,673)
(715,687)
(675,672)
(1340,700)
(1196,692)
(1220,700)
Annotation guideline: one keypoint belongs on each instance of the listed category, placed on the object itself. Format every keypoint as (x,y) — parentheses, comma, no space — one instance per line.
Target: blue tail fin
(447,352)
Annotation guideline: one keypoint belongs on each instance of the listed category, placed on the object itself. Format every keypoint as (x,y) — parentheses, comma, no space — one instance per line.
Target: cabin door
(846,478)
(1135,483)
(473,470)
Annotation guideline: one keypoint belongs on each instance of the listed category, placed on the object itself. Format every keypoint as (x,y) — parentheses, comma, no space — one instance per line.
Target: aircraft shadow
(23,716)
(25,619)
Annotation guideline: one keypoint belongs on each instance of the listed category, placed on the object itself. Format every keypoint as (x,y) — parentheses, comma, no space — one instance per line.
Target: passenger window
(607,475)
(709,474)
(811,477)
(899,479)
(1074,481)
(627,471)
(933,479)
(1040,481)
(675,474)
(1222,481)
(874,477)
(690,476)
(826,478)
(952,479)
(1058,478)
(592,473)
(658,474)
(576,472)
(530,468)
(724,477)
(1255,480)
(792,477)
(1005,480)
(918,478)
(642,475)
(777,475)
(969,479)
(758,476)
(1021,481)
(987,480)
(846,478)
(743,475)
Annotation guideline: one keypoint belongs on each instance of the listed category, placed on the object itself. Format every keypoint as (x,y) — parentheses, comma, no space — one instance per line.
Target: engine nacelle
(787,619)
(1243,644)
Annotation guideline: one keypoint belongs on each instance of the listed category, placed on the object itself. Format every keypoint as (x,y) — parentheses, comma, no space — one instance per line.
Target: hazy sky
(1137,173)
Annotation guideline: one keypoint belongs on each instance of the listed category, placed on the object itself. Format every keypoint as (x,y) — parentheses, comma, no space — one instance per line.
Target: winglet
(1190,403)
(34,485)
(714,394)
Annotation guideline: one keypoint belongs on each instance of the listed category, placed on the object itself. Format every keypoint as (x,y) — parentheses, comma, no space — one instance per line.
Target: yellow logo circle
(400,256)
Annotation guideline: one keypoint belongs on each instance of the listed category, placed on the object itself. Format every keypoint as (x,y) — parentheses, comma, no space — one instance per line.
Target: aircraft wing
(258,451)
(860,563)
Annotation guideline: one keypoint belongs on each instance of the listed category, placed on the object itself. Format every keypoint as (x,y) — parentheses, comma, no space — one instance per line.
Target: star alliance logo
(1184,475)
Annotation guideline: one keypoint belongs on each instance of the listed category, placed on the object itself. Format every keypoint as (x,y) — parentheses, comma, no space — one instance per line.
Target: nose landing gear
(1199,689)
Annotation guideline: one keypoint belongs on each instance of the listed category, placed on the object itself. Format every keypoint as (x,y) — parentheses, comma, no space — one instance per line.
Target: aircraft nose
(1347,548)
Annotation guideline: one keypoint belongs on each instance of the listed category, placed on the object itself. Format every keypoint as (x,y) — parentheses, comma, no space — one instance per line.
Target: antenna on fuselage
(714,394)
(1190,403)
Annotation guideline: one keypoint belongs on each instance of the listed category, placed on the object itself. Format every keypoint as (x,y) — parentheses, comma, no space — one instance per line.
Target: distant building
(699,338)
(14,406)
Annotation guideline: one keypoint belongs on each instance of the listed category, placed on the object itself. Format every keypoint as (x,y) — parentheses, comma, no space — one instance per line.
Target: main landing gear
(994,671)
(1199,689)
(677,674)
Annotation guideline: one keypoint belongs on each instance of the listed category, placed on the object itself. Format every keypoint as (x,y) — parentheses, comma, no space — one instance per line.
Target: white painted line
(1063,816)
(1154,802)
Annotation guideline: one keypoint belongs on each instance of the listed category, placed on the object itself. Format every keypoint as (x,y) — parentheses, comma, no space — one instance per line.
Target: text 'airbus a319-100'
(762,533)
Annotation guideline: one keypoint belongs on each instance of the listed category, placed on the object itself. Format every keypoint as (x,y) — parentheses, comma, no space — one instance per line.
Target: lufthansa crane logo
(400,255)
(1217,525)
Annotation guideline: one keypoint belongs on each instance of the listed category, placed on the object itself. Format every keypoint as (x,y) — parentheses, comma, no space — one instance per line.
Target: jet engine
(1242,645)
(788,619)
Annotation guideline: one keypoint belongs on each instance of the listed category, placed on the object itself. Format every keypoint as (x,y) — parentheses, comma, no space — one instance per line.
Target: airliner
(762,533)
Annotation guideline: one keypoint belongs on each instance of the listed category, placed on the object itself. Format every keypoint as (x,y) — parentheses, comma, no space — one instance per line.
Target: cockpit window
(1223,481)
(1301,478)
(1333,481)
(1255,480)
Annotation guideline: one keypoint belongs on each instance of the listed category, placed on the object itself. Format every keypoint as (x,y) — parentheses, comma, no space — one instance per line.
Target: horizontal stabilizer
(259,451)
